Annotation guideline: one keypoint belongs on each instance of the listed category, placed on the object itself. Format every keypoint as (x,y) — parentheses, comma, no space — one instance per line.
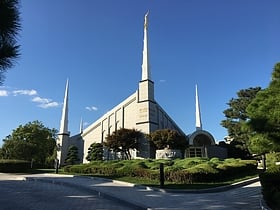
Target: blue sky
(223,46)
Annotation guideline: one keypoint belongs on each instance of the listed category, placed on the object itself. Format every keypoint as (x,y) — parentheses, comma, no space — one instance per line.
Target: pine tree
(264,114)
(72,155)
(9,28)
(95,152)
(236,115)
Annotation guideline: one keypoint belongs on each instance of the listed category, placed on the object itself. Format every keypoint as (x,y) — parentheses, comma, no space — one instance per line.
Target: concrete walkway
(245,195)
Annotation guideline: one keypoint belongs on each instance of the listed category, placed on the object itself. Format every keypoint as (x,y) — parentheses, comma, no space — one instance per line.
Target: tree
(95,152)
(264,114)
(168,138)
(32,142)
(236,115)
(123,140)
(72,155)
(9,28)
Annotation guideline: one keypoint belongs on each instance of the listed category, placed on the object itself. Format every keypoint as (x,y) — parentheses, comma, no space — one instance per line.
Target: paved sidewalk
(141,197)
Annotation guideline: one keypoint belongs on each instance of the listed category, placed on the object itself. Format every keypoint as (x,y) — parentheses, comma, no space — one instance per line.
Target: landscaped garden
(179,173)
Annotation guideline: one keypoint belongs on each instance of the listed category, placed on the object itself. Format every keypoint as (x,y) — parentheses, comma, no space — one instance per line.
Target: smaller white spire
(81,126)
(198,124)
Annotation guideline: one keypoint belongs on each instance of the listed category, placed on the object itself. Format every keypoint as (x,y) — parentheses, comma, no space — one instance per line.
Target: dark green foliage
(14,166)
(264,115)
(72,155)
(272,158)
(232,167)
(31,142)
(270,181)
(123,140)
(9,28)
(95,152)
(168,138)
(236,115)
(184,171)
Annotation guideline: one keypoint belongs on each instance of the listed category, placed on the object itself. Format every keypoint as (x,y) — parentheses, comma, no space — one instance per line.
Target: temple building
(139,111)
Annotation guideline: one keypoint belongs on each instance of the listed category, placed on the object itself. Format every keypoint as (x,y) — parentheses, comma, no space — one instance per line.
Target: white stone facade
(145,116)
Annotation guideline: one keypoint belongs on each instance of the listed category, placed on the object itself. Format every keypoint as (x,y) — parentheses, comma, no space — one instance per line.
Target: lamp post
(264,162)
(56,165)
(161,175)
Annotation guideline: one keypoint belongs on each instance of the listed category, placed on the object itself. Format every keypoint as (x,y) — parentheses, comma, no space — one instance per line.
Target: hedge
(270,181)
(184,171)
(14,166)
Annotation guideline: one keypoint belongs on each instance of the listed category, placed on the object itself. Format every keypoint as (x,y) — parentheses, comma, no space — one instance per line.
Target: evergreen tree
(236,115)
(9,27)
(72,155)
(264,114)
(95,152)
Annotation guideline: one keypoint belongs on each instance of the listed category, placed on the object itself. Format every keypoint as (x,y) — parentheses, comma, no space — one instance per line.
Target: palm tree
(9,28)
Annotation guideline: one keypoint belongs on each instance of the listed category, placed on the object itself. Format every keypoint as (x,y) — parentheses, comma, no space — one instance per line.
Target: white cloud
(4,93)
(162,80)
(49,105)
(91,108)
(45,102)
(25,92)
(41,100)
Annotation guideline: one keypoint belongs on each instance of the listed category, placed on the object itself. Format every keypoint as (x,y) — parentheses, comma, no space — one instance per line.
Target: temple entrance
(195,152)
(199,142)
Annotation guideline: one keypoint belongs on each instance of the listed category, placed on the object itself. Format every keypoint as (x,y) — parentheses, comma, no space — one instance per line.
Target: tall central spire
(146,74)
(64,117)
(198,124)
(146,85)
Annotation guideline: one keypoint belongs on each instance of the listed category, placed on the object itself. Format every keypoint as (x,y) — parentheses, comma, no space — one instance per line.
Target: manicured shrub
(272,158)
(178,176)
(185,171)
(14,166)
(270,181)
(215,161)
(199,173)
(234,167)
(91,169)
(203,168)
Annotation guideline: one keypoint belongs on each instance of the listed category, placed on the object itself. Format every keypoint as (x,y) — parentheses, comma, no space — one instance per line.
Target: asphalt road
(23,195)
(52,192)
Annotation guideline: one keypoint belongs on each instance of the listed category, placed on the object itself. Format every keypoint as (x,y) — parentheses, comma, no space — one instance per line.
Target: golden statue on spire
(146,20)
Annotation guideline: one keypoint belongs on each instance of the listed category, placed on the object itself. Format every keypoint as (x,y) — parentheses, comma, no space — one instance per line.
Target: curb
(212,190)
(208,190)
